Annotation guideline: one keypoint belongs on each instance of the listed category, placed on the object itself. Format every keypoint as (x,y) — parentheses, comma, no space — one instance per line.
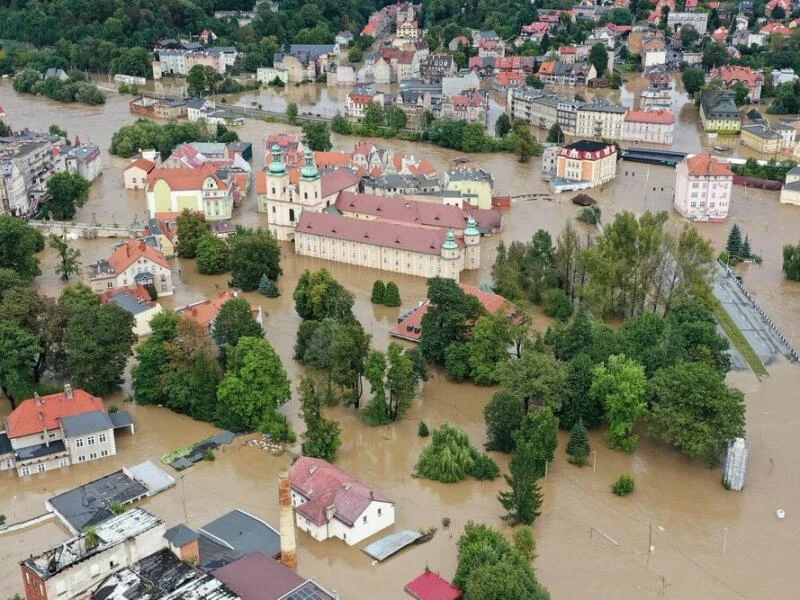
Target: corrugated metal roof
(391,544)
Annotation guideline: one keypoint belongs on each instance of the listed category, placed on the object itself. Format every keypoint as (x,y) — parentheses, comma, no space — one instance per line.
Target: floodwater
(679,506)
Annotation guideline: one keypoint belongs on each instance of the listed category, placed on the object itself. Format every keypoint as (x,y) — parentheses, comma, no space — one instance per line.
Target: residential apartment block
(472,108)
(730,75)
(26,163)
(653,127)
(703,187)
(179,61)
(718,112)
(761,138)
(54,431)
(135,263)
(587,161)
(698,20)
(600,119)
(358,100)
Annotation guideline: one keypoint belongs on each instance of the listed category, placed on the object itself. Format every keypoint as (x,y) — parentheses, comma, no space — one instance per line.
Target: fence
(755,182)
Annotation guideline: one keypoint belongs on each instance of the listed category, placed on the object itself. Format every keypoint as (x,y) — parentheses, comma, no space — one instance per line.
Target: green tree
(254,253)
(490,568)
(99,340)
(556,304)
(693,79)
(66,192)
(539,427)
(68,263)
(618,16)
(355,55)
(523,501)
(340,124)
(291,113)
(449,457)
(620,386)
(537,379)
(691,408)
(254,388)
(689,36)
(740,93)
(318,295)
(374,118)
(555,135)
(395,118)
(778,13)
(317,136)
(598,58)
(192,226)
(234,321)
(202,80)
(55,130)
(502,126)
(322,436)
(578,448)
(747,251)
(19,351)
(391,295)
(714,55)
(615,82)
(534,82)
(350,347)
(378,291)
(393,379)
(267,287)
(577,337)
(456,361)
(213,255)
(734,245)
(488,347)
(524,145)
(503,414)
(791,262)
(447,318)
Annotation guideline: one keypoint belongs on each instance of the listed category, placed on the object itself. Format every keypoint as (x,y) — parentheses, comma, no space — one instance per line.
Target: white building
(72,568)
(330,503)
(266,75)
(54,431)
(653,126)
(703,187)
(698,20)
(132,264)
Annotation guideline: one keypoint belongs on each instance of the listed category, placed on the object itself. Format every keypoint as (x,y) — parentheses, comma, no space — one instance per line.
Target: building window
(380,512)
(63,462)
(81,458)
(102,437)
(90,440)
(25,471)
(104,453)
(273,210)
(92,455)
(79,443)
(364,519)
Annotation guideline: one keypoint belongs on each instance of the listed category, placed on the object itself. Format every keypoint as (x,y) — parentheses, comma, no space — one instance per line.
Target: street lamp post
(594,462)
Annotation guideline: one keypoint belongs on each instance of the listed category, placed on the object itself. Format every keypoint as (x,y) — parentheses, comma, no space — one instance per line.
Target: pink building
(703,187)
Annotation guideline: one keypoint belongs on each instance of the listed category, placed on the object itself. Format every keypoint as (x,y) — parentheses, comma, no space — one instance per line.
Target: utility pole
(183,497)
(724,540)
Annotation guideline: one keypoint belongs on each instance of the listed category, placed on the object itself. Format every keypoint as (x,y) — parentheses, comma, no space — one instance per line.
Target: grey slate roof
(794,170)
(40,450)
(88,422)
(180,535)
(5,443)
(120,419)
(244,533)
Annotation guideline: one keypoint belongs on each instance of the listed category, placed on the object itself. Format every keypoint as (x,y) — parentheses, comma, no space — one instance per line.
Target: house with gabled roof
(134,263)
(54,431)
(331,503)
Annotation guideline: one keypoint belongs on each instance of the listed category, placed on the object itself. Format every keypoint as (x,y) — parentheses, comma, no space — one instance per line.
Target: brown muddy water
(680,501)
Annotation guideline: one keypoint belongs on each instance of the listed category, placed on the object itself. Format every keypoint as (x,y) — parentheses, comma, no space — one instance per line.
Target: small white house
(330,503)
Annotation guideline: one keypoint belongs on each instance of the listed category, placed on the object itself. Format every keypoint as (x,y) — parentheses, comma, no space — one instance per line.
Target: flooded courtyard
(590,544)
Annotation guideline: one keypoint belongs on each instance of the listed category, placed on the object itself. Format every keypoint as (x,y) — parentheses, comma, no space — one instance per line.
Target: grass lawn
(738,339)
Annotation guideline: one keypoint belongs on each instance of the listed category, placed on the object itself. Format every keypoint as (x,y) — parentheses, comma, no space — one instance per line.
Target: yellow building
(472,181)
(392,247)
(200,190)
(761,138)
(718,112)
(586,160)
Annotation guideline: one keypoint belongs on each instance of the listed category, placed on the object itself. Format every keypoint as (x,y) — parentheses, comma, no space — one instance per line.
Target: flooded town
(247,502)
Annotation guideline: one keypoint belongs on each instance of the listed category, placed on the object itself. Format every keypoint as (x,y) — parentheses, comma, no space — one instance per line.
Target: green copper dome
(309,170)
(450,242)
(277,167)
(472,227)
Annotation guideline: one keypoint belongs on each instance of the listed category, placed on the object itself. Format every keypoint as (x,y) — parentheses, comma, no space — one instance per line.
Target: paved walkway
(756,328)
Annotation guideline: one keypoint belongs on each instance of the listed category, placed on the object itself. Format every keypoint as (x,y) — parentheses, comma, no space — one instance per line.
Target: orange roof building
(132,264)
(409,326)
(205,311)
(50,432)
(649,126)
(703,187)
(200,189)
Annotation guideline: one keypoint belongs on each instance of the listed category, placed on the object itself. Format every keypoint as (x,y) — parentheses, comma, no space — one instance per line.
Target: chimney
(68,391)
(288,546)
(330,512)
(37,399)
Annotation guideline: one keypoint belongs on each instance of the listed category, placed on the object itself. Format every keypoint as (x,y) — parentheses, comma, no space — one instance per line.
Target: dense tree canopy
(18,244)
(254,253)
(66,192)
(130,139)
(318,296)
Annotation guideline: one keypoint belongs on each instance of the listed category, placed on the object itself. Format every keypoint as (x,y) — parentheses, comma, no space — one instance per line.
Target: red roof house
(44,413)
(429,586)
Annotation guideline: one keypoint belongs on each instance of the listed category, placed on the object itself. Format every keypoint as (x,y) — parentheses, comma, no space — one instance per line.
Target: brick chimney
(68,391)
(288,546)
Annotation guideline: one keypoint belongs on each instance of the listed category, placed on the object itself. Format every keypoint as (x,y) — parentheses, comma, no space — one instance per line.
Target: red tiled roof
(376,233)
(326,160)
(184,179)
(410,328)
(337,181)
(205,311)
(360,98)
(469,100)
(661,116)
(325,485)
(31,418)
(705,164)
(133,250)
(732,73)
(143,164)
(139,292)
(429,586)
(257,576)
(567,50)
(400,210)
(547,67)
